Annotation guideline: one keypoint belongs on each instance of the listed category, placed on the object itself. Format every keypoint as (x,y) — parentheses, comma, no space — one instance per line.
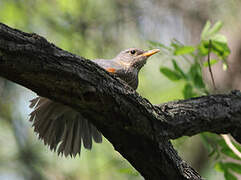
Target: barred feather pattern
(62,128)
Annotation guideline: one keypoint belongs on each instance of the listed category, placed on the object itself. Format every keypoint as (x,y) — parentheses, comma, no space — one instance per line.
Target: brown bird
(64,129)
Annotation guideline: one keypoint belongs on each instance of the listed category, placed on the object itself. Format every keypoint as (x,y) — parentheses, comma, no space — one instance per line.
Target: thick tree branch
(215,113)
(136,128)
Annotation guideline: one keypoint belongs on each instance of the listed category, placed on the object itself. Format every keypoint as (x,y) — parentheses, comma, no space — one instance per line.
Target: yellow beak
(150,52)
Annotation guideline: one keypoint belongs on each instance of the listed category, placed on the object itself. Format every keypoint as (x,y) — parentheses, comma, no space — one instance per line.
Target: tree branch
(137,129)
(219,114)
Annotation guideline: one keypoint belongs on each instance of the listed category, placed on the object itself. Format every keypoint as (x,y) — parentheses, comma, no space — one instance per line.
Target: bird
(64,129)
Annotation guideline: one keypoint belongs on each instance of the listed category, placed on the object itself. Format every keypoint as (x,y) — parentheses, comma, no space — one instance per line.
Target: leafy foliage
(187,63)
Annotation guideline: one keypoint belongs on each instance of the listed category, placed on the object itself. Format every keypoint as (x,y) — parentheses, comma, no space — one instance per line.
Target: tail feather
(86,134)
(61,149)
(62,128)
(69,145)
(96,134)
(77,141)
(33,102)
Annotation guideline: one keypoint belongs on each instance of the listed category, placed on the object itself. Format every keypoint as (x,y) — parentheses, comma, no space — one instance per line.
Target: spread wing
(62,128)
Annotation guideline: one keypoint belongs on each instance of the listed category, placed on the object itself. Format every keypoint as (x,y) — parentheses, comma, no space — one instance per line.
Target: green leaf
(228,152)
(196,76)
(184,50)
(223,167)
(188,91)
(205,30)
(212,62)
(178,69)
(198,81)
(128,171)
(219,38)
(222,143)
(220,167)
(209,32)
(237,145)
(207,144)
(202,49)
(234,167)
(170,74)
(221,49)
(216,28)
(229,176)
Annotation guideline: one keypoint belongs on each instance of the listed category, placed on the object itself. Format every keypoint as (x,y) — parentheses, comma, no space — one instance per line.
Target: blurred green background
(100,29)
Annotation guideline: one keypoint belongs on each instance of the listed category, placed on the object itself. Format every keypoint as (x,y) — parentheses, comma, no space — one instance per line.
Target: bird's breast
(129,75)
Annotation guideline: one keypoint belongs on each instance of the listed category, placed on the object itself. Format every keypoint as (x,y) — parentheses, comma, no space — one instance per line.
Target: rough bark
(137,129)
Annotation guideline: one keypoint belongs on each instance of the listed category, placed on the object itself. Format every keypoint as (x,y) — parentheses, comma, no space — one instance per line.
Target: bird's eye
(133,51)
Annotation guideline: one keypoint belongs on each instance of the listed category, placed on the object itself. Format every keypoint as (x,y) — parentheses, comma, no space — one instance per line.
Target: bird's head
(134,57)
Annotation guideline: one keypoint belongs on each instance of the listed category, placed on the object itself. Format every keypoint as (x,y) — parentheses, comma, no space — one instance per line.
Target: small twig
(230,145)
(209,64)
